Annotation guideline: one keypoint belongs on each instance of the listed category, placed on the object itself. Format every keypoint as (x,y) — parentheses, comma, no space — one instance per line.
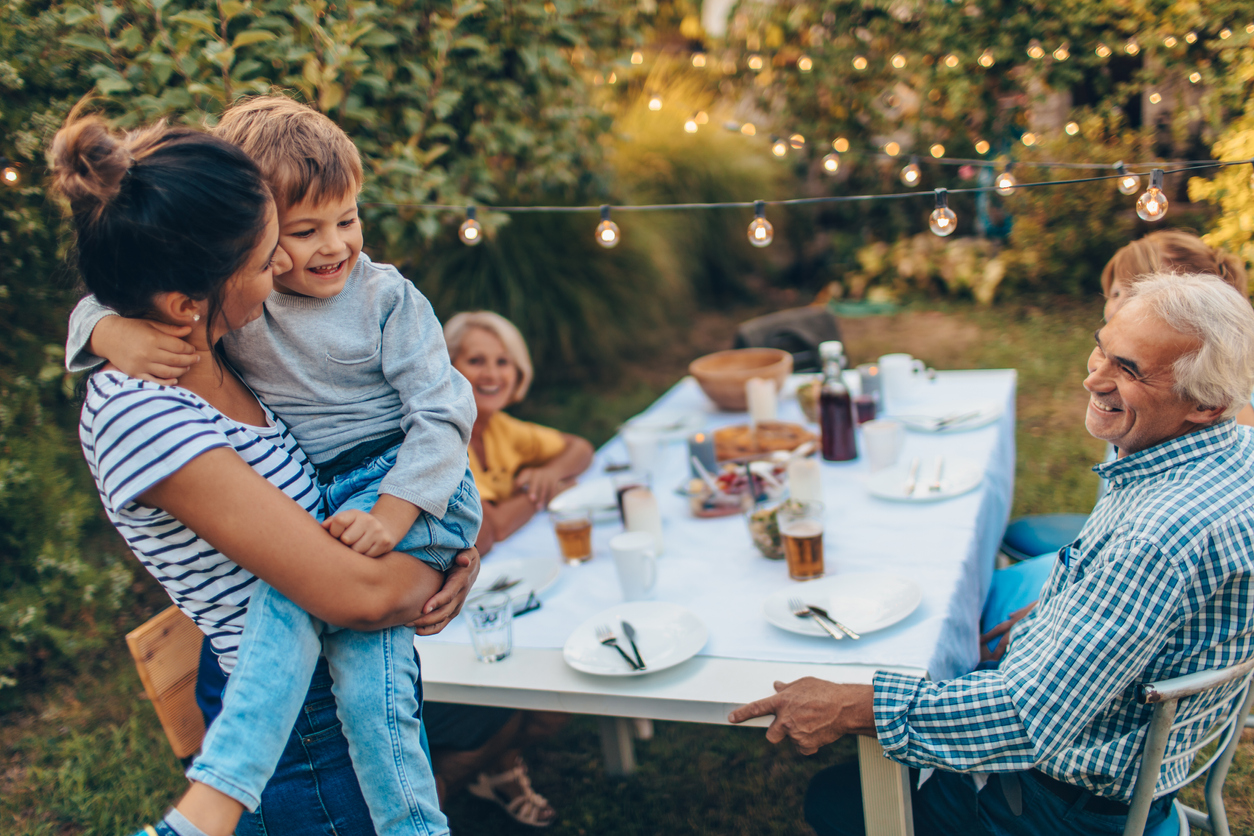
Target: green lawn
(87,756)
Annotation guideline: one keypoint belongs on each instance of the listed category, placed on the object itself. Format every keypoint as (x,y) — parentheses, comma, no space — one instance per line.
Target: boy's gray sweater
(359,366)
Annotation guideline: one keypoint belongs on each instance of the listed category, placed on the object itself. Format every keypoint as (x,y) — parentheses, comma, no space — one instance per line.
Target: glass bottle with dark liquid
(836,420)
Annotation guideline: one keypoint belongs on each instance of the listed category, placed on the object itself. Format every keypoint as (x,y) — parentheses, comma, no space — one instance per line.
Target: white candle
(804,480)
(760,395)
(640,513)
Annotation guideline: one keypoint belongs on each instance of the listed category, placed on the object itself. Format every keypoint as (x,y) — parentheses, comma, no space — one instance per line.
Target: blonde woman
(518,466)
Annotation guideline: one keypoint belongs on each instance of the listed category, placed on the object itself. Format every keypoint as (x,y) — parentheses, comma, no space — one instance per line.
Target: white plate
(925,419)
(863,602)
(957,477)
(594,495)
(667,634)
(668,426)
(536,573)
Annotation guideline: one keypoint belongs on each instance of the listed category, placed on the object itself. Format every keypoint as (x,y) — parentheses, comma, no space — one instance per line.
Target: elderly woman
(518,467)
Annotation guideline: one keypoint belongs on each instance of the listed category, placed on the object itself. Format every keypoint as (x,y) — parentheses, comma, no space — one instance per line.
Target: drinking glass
(882,441)
(635,559)
(491,620)
(574,534)
(801,530)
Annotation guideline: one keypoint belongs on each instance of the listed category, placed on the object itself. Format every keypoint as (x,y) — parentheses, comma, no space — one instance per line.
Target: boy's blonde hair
(515,346)
(301,153)
(1172,251)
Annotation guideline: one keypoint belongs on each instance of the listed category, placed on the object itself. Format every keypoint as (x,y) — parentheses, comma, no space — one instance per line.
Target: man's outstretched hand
(813,712)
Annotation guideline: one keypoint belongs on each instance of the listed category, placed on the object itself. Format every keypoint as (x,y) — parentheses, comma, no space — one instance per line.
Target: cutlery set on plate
(912,480)
(606,636)
(830,625)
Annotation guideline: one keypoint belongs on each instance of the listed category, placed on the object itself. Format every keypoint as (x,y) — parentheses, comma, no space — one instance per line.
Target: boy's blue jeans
(373,678)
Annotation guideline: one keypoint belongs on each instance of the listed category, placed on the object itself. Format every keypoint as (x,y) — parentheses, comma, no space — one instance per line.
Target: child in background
(350,355)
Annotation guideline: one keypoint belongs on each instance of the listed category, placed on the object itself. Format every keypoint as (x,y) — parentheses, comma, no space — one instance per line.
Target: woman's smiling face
(489,368)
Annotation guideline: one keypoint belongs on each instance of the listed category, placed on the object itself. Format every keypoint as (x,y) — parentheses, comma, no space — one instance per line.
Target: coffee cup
(882,442)
(900,375)
(635,559)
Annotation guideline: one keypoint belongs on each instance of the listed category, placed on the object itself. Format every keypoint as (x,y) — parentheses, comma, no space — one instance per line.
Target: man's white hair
(1220,372)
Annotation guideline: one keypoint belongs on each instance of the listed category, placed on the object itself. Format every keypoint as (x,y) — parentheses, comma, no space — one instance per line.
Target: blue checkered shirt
(1159,584)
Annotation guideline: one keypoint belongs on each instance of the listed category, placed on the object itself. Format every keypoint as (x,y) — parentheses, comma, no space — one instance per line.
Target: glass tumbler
(491,620)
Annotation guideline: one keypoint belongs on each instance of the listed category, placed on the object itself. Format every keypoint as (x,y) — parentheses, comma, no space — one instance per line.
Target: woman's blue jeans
(374,678)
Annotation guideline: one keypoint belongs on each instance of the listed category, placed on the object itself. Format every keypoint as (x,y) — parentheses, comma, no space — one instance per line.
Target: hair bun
(88,163)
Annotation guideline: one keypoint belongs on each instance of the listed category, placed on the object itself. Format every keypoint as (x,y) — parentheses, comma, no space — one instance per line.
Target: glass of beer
(801,530)
(574,534)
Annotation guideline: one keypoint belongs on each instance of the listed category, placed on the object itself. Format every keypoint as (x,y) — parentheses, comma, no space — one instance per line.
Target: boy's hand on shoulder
(362,532)
(144,349)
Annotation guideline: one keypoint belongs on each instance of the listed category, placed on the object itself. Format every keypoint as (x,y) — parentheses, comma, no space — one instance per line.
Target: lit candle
(804,480)
(760,395)
(640,513)
(701,445)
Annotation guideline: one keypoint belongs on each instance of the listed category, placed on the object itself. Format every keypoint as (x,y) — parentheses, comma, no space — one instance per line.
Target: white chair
(1230,722)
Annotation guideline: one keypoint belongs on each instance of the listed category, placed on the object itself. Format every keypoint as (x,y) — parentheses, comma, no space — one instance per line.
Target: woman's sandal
(528,808)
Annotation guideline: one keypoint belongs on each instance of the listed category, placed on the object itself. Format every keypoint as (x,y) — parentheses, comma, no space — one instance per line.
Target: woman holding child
(178,232)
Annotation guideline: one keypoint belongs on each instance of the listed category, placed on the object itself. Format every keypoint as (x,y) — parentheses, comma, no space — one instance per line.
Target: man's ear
(177,308)
(1205,415)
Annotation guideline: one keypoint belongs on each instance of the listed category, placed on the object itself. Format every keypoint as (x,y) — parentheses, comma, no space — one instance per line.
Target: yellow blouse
(510,445)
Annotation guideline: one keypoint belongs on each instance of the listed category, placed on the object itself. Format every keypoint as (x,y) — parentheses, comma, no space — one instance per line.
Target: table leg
(885,791)
(617,748)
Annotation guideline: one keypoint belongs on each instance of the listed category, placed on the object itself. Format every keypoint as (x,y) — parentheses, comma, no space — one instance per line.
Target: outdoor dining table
(711,567)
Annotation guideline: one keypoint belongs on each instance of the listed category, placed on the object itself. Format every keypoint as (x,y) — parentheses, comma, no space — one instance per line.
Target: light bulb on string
(840,144)
(1128,182)
(1062,53)
(1102,51)
(637,57)
(859,62)
(1005,181)
(655,103)
(779,147)
(831,163)
(899,61)
(982,147)
(701,118)
(607,233)
(892,149)
(1132,47)
(10,174)
(1028,139)
(1249,28)
(951,61)
(690,126)
(1035,51)
(986,59)
(1195,77)
(911,173)
(748,129)
(943,221)
(1155,97)
(698,59)
(1170,41)
(1152,205)
(797,141)
(805,64)
(1225,34)
(1072,128)
(761,233)
(755,62)
(471,231)
(1190,38)
(937,150)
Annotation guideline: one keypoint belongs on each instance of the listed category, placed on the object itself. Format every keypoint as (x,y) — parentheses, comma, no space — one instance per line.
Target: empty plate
(596,496)
(958,476)
(666,634)
(534,574)
(668,426)
(863,602)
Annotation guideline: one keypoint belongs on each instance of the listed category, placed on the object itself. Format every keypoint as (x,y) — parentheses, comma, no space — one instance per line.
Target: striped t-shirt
(135,434)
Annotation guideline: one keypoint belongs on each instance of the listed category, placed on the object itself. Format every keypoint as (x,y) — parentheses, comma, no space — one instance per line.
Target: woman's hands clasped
(447,603)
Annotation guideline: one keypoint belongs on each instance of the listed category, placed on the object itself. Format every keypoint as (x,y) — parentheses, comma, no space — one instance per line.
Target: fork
(606,636)
(822,613)
(800,610)
(503,583)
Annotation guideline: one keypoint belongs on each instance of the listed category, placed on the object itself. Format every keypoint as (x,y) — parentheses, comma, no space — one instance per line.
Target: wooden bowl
(722,375)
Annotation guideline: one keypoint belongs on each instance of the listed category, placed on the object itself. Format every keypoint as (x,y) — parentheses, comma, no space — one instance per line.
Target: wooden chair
(166,649)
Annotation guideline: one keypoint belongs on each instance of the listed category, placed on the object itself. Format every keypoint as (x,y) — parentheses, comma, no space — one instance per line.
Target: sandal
(529,807)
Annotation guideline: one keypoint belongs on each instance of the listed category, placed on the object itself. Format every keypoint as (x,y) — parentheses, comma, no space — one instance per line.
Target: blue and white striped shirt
(1159,584)
(134,434)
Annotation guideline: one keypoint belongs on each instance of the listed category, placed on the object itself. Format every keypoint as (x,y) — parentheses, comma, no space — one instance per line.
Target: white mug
(635,558)
(882,442)
(643,447)
(900,375)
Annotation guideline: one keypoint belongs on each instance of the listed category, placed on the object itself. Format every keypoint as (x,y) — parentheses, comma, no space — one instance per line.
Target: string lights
(761,233)
(607,232)
(943,221)
(1128,182)
(471,231)
(831,163)
(1152,205)
(1005,181)
(911,173)
(10,174)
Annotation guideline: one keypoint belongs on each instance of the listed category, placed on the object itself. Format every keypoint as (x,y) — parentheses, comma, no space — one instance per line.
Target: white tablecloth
(711,567)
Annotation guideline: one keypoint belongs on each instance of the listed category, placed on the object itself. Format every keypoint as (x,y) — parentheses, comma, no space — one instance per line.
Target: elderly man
(1160,583)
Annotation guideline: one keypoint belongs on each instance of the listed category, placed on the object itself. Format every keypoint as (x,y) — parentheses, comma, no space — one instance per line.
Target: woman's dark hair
(163,209)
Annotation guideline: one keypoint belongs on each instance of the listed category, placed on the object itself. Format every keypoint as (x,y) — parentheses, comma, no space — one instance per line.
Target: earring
(195,317)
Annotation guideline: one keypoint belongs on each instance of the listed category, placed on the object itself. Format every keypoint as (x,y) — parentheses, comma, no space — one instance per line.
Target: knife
(913,478)
(630,633)
(936,485)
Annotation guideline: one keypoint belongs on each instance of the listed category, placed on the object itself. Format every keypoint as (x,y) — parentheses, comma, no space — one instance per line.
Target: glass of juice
(574,534)
(801,532)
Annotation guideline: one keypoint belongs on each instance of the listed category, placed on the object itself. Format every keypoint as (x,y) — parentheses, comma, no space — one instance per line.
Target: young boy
(350,355)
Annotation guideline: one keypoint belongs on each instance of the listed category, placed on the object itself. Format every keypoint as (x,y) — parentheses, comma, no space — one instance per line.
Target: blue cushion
(1041,533)
(1015,587)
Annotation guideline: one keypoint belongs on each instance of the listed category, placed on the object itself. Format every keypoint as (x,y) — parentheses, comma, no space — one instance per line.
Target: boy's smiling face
(324,239)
